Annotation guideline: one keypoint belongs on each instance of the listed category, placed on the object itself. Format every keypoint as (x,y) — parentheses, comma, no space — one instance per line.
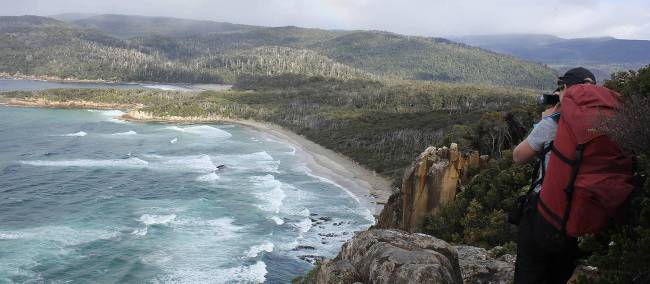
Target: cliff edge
(432,181)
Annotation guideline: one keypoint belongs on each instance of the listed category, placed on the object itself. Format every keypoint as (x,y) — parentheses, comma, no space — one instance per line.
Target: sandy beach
(365,186)
(368,188)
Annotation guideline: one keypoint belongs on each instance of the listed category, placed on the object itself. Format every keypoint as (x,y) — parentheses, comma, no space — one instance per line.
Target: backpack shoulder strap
(541,164)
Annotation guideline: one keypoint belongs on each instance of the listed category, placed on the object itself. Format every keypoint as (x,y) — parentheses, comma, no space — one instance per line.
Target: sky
(628,19)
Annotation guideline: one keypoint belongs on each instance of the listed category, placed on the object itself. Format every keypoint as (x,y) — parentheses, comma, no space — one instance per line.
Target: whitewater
(85,197)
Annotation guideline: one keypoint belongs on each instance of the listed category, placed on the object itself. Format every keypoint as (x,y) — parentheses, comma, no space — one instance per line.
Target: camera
(548,99)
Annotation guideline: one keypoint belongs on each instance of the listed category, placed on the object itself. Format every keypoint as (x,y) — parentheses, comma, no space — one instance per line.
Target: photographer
(537,261)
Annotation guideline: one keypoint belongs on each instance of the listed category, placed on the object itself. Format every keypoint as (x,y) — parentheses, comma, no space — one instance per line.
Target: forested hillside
(133,48)
(603,55)
(126,27)
(42,46)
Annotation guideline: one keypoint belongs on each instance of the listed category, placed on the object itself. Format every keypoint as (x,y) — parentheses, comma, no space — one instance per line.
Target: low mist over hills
(135,48)
(603,55)
(124,26)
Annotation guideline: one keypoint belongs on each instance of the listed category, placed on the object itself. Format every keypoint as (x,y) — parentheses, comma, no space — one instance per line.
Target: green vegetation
(419,58)
(383,126)
(172,50)
(622,254)
(477,217)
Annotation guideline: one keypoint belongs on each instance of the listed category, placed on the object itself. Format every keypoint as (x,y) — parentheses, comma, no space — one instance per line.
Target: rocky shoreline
(384,254)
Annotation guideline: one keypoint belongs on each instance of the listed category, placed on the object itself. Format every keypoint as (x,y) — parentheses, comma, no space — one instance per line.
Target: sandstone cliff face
(392,256)
(432,181)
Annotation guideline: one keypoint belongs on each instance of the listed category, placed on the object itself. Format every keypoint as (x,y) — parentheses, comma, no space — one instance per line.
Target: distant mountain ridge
(136,48)
(602,54)
(127,26)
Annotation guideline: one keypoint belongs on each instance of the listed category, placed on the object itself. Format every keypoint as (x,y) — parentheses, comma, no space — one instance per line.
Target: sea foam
(303,226)
(203,130)
(270,192)
(63,235)
(278,221)
(149,220)
(258,161)
(364,211)
(196,163)
(85,163)
(254,251)
(255,273)
(130,132)
(209,177)
(76,134)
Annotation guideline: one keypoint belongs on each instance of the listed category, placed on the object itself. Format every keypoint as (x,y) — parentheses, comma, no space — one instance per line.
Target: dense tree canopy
(160,51)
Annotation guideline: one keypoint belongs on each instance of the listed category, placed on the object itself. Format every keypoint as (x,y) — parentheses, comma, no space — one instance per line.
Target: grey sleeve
(542,134)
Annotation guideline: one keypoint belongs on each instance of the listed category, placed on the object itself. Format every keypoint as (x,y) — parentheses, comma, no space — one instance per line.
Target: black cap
(575,76)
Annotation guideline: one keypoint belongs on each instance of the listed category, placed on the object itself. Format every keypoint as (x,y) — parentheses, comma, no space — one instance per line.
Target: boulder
(478,266)
(392,256)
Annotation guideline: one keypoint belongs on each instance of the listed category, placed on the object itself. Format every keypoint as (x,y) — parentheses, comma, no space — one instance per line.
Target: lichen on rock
(392,256)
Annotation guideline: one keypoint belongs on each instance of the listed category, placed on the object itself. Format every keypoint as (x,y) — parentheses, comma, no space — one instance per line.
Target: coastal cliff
(391,253)
(433,180)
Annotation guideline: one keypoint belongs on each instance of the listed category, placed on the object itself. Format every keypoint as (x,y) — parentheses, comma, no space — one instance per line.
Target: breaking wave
(203,130)
(130,132)
(278,221)
(76,134)
(254,251)
(270,192)
(63,235)
(113,163)
(197,163)
(258,161)
(149,220)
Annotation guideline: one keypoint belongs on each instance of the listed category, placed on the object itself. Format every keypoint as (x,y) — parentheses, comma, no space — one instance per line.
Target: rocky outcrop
(392,256)
(479,266)
(432,181)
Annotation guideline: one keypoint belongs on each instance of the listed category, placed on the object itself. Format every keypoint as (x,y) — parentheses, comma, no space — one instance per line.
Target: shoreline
(365,186)
(218,87)
(368,188)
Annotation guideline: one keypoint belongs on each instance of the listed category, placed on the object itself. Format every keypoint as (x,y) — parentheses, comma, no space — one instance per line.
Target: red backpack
(588,176)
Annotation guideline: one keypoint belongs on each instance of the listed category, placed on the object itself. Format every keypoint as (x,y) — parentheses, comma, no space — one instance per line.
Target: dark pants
(544,254)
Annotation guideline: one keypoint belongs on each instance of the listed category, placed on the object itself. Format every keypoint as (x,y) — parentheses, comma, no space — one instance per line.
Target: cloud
(576,18)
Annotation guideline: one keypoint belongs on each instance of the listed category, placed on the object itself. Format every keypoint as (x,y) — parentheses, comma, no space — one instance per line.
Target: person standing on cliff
(535,263)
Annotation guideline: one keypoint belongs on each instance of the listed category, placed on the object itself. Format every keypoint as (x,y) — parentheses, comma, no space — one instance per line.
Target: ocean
(85,197)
